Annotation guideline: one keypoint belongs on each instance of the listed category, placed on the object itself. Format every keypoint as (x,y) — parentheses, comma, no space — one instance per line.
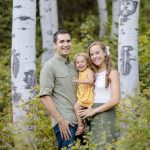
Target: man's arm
(62,123)
(49,105)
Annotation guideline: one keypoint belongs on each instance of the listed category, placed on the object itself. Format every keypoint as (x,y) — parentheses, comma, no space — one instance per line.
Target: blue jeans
(62,142)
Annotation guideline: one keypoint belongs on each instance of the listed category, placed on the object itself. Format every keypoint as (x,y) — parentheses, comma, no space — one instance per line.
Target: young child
(84,87)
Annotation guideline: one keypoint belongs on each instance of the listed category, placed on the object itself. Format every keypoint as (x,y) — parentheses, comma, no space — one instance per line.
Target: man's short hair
(59,32)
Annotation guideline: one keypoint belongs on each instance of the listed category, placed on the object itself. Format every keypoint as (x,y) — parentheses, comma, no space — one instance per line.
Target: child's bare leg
(81,126)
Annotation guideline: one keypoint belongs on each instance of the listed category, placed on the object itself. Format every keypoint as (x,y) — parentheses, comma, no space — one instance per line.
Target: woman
(106,96)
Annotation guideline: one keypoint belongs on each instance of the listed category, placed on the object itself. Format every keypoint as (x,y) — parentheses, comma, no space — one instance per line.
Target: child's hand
(76,81)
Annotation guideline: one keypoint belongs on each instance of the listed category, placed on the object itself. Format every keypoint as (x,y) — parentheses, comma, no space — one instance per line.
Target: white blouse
(101,94)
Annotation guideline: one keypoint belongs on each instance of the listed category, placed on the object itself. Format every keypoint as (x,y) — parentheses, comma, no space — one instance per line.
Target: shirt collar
(62,59)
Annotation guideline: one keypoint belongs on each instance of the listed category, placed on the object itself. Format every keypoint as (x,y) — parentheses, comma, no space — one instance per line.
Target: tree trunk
(49,25)
(115,18)
(103,15)
(23,68)
(128,46)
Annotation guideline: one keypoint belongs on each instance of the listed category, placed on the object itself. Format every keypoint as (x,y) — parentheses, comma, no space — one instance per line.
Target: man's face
(63,45)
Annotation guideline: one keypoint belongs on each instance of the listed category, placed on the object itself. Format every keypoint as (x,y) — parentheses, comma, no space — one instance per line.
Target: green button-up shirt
(56,80)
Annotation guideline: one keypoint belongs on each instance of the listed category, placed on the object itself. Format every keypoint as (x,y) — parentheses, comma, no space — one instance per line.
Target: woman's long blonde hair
(109,65)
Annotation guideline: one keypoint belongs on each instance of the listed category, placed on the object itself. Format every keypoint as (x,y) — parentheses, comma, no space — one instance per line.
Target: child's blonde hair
(81,54)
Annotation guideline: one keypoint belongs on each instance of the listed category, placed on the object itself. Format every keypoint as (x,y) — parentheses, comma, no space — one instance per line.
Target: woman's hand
(86,113)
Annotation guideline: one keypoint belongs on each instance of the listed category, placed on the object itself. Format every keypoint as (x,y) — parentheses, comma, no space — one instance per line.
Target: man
(58,92)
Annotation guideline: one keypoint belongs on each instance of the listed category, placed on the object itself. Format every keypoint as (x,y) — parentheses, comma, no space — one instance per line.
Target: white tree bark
(23,67)
(128,46)
(115,18)
(49,25)
(103,15)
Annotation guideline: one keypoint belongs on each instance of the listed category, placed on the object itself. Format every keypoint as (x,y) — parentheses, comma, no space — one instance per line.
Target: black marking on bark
(128,8)
(30,79)
(50,32)
(122,31)
(14,88)
(24,18)
(29,46)
(49,9)
(23,28)
(17,6)
(16,63)
(16,97)
(125,58)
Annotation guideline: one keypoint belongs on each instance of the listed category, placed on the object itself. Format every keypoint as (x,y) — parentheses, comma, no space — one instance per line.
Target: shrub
(134,114)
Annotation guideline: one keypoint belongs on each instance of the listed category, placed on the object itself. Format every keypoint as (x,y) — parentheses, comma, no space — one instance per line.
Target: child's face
(81,63)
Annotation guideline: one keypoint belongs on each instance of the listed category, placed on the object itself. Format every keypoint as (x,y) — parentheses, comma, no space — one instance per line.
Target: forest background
(80,18)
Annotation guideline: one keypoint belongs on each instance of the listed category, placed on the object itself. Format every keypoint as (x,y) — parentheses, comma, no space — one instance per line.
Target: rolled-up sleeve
(46,81)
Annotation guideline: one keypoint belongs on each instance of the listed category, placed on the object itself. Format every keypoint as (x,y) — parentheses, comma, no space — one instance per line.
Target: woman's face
(81,63)
(97,55)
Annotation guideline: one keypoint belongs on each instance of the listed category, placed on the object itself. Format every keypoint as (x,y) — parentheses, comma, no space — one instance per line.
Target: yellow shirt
(84,91)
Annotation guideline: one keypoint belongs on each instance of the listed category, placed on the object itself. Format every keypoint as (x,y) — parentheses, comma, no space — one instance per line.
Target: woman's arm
(115,88)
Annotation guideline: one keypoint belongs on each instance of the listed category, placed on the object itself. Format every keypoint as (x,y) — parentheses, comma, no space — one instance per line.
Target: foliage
(87,35)
(5,25)
(76,48)
(134,114)
(144,61)
(88,30)
(72,20)
(6,140)
(144,16)
(40,122)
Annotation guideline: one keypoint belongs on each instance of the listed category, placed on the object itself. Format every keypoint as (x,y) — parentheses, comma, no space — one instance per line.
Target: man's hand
(64,129)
